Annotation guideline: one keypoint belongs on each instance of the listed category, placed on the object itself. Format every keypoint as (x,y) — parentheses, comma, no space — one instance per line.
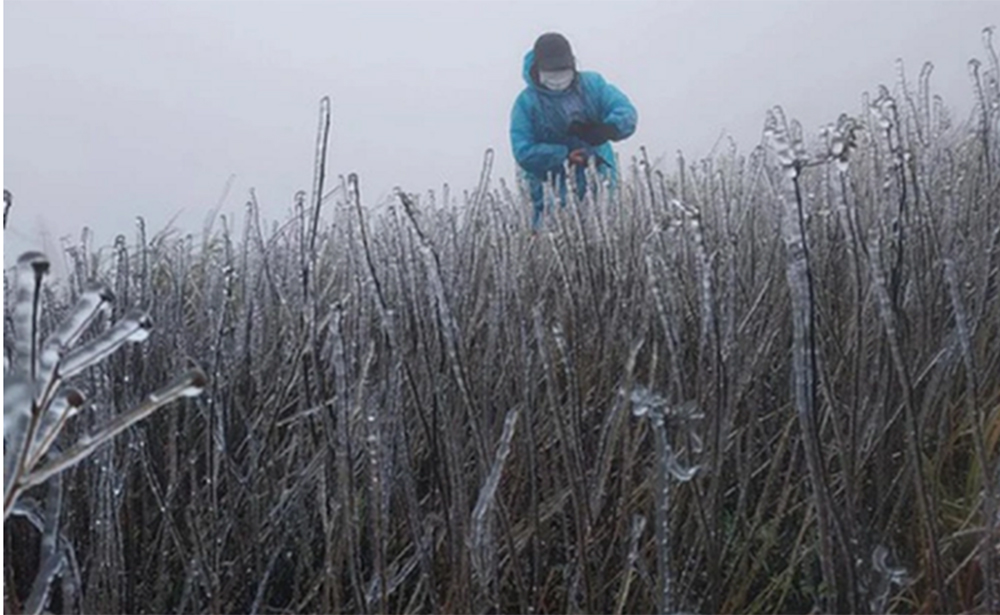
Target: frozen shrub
(39,402)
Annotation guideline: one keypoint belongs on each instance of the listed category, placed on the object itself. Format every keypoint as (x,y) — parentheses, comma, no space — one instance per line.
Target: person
(565,115)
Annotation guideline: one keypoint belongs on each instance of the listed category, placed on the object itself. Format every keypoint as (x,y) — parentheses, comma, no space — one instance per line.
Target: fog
(114,110)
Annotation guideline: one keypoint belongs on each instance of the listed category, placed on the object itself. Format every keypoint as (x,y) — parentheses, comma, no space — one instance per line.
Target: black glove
(593,133)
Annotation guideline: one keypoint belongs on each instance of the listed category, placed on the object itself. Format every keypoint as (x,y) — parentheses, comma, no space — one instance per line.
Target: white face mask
(557,80)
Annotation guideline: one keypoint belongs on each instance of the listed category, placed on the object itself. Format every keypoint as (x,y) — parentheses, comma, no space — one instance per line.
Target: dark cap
(552,52)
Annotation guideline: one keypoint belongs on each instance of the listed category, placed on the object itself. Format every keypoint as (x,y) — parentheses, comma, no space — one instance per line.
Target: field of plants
(750,383)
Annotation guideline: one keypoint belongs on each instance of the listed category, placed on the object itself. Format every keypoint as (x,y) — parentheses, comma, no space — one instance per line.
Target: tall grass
(426,407)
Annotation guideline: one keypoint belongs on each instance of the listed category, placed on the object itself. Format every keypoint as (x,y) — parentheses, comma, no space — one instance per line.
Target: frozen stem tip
(134,328)
(75,398)
(102,291)
(196,383)
(140,323)
(36,260)
(95,300)
(189,384)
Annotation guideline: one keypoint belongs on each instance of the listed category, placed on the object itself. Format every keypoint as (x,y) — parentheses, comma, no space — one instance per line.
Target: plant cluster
(762,383)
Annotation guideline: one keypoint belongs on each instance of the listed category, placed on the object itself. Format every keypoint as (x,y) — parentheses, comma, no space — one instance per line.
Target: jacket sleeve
(617,109)
(534,157)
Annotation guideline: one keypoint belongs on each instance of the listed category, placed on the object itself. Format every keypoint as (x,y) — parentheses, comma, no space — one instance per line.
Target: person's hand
(578,128)
(578,157)
(592,132)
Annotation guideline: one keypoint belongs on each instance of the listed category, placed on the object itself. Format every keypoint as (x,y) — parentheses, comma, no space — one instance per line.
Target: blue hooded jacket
(540,119)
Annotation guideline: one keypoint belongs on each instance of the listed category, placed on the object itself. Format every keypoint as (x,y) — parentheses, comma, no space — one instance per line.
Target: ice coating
(36,408)
(776,133)
(52,557)
(197,382)
(33,259)
(883,108)
(190,384)
(993,74)
(134,327)
(644,400)
(677,470)
(697,445)
(17,394)
(842,140)
(141,331)
(192,391)
(64,406)
(30,269)
(487,494)
(887,577)
(87,308)
(653,405)
(798,143)
(880,561)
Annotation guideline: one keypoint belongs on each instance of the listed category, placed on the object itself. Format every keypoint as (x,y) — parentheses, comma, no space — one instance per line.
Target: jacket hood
(529,61)
(529,78)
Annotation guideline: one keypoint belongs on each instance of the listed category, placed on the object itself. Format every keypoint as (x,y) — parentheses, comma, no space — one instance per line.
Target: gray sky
(118,109)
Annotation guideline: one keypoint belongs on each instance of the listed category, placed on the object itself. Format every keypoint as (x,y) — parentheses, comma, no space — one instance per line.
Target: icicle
(52,559)
(487,496)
